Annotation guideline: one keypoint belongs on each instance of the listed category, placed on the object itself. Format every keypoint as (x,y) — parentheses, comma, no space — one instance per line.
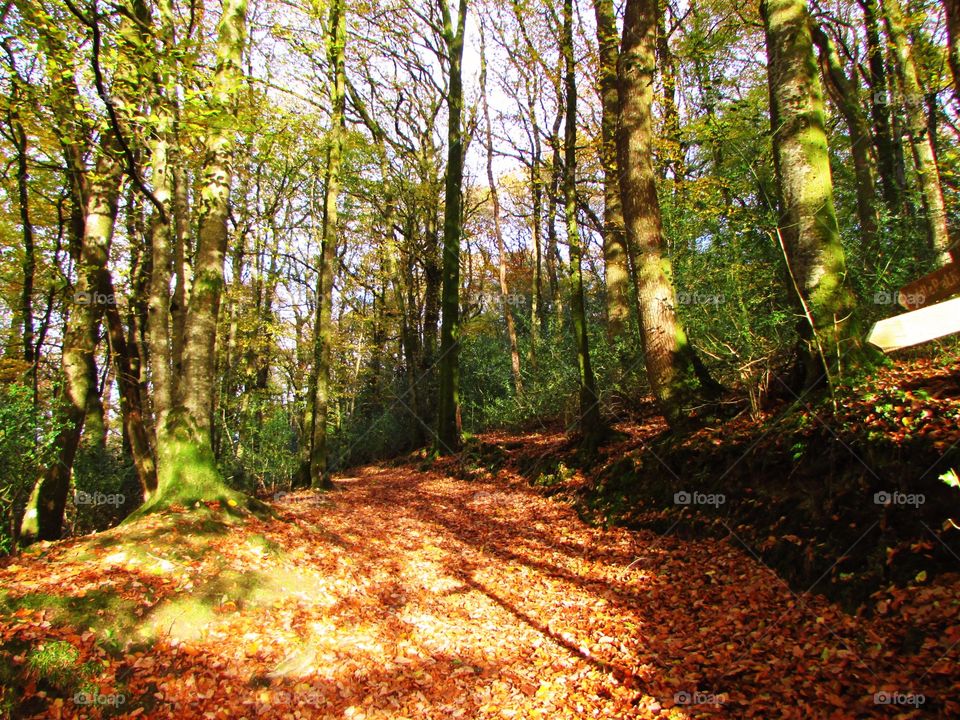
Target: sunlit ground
(406,594)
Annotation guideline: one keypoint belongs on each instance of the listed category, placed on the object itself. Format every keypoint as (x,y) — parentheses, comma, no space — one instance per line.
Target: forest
(440,359)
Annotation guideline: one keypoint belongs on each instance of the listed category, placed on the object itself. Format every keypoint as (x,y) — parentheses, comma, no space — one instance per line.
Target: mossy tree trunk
(616,270)
(448,408)
(186,466)
(43,518)
(677,379)
(921,140)
(846,97)
(323,331)
(808,230)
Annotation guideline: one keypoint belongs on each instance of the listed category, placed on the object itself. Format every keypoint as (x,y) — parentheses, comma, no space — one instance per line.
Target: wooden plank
(931,288)
(919,326)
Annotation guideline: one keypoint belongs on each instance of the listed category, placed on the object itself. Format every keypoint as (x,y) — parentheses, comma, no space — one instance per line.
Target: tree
(323,331)
(808,229)
(921,141)
(43,519)
(448,412)
(497,228)
(844,93)
(186,464)
(676,377)
(591,423)
(617,274)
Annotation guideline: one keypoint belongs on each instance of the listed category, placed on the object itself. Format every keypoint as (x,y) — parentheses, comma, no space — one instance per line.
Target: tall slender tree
(591,423)
(498,226)
(448,409)
(323,332)
(921,140)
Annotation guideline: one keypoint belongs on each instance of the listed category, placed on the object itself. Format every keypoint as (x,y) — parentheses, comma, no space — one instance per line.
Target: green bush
(27,436)
(259,448)
(105,489)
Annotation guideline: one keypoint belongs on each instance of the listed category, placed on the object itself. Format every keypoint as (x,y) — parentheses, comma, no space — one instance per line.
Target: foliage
(260,446)
(56,663)
(105,488)
(27,436)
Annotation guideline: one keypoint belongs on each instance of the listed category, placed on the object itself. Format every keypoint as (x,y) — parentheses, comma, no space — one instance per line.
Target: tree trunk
(323,335)
(952,8)
(186,466)
(498,230)
(616,272)
(888,147)
(591,424)
(847,100)
(159,341)
(671,144)
(29,262)
(448,409)
(808,231)
(921,141)
(43,518)
(673,371)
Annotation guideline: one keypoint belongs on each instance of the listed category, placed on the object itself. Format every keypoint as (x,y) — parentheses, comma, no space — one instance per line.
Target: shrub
(27,436)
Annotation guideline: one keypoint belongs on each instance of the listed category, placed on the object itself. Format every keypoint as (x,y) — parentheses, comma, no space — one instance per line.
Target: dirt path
(408,594)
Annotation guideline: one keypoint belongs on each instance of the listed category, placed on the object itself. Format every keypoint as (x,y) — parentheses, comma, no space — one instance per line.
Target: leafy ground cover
(425,592)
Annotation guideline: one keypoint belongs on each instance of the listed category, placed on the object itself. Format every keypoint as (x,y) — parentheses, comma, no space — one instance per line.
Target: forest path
(485,599)
(407,593)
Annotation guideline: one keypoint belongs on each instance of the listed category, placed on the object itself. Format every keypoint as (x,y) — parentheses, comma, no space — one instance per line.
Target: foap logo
(698,498)
(94,298)
(98,498)
(898,498)
(95,698)
(882,97)
(495,299)
(888,697)
(883,297)
(288,698)
(695,298)
(699,698)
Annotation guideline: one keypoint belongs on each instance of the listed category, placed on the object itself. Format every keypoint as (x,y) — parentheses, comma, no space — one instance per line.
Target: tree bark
(676,377)
(591,425)
(323,335)
(952,8)
(43,518)
(498,229)
(448,409)
(921,141)
(186,466)
(29,262)
(616,272)
(888,147)
(808,230)
(845,97)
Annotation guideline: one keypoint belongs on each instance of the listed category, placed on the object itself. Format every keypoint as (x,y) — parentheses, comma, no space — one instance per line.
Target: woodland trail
(411,594)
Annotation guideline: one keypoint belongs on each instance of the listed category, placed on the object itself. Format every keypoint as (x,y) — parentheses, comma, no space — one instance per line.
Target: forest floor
(427,592)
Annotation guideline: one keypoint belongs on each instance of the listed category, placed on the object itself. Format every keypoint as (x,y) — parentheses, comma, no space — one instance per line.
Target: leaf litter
(409,593)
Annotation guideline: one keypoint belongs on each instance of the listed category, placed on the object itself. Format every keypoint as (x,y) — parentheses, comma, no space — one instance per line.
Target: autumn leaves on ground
(416,593)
